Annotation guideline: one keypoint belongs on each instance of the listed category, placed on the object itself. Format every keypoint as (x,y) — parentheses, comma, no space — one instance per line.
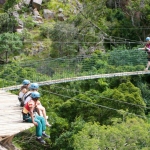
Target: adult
(38,121)
(147,49)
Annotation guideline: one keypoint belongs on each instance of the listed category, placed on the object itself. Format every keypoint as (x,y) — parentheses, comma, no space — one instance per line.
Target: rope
(121,61)
(97,105)
(120,101)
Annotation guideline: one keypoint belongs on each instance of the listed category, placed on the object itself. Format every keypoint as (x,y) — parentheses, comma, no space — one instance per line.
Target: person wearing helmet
(26,82)
(40,109)
(38,121)
(27,96)
(23,90)
(147,49)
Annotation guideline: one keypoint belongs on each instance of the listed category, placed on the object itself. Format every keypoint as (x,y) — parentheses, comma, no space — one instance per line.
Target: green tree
(13,74)
(126,97)
(132,134)
(11,43)
(65,140)
(63,37)
(9,4)
(7,23)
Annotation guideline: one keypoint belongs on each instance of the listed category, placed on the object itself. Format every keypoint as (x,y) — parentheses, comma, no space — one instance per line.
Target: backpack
(25,96)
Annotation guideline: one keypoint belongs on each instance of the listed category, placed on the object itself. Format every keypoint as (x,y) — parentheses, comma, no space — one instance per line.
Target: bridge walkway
(79,78)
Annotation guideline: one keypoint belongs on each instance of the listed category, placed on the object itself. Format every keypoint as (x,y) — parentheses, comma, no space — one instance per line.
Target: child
(40,109)
(23,91)
(37,120)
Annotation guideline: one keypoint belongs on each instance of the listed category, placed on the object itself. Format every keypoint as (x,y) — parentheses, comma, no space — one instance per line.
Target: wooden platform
(11,121)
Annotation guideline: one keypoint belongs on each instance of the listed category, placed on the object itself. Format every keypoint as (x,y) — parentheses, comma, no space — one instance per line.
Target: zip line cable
(123,40)
(108,37)
(49,59)
(99,42)
(141,106)
(97,105)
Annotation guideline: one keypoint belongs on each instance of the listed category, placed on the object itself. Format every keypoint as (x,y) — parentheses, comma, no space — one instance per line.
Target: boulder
(20,23)
(27,2)
(20,26)
(15,14)
(16,7)
(35,12)
(61,17)
(60,10)
(37,18)
(48,14)
(19,30)
(37,4)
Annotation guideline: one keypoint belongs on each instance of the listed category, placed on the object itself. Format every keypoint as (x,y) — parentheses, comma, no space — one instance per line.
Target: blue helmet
(34,86)
(26,82)
(148,39)
(35,94)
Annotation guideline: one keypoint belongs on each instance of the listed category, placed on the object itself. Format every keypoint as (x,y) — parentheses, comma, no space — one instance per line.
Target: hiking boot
(40,140)
(45,135)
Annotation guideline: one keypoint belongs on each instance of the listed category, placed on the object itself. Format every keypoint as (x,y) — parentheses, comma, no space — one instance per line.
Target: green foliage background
(90,114)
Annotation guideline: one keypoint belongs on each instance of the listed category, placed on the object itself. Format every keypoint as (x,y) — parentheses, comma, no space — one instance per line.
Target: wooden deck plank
(11,121)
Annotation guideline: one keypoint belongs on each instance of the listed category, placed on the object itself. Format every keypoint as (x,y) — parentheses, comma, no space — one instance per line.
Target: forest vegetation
(95,37)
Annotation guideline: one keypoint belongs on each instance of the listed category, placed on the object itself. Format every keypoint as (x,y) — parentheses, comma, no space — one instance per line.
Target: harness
(25,116)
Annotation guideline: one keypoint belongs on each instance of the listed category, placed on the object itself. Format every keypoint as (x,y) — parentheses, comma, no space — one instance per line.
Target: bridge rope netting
(95,65)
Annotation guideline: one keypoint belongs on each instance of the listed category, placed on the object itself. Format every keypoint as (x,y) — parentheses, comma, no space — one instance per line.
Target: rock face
(2,1)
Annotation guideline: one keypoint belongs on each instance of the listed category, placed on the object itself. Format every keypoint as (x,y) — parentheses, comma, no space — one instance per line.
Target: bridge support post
(7,143)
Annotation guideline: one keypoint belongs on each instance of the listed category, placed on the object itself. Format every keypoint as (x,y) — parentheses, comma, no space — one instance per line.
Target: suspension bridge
(65,80)
(50,71)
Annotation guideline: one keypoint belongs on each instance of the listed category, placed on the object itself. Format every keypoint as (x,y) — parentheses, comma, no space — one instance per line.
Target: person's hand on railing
(141,48)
